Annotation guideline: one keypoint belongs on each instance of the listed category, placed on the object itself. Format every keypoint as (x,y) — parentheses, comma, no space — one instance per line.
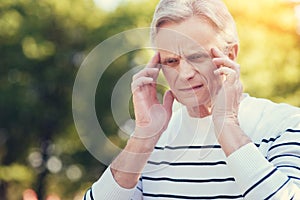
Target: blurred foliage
(43,43)
(269,49)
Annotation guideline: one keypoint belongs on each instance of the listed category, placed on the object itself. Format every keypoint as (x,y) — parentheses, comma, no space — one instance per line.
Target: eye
(172,62)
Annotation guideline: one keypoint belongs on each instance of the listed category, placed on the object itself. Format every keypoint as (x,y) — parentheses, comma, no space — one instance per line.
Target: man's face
(186,60)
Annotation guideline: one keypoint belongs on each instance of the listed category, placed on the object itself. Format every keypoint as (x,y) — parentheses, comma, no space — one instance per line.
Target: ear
(233,51)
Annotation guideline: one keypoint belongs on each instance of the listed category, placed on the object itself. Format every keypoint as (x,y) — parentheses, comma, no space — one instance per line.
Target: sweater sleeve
(106,188)
(275,177)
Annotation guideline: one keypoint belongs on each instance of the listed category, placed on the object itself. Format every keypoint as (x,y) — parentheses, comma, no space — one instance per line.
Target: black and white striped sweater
(188,162)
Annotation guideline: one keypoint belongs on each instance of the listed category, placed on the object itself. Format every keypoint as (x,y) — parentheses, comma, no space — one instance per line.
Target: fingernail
(158,54)
(213,49)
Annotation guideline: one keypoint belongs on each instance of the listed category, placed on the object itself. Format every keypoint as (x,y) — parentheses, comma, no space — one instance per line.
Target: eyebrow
(202,54)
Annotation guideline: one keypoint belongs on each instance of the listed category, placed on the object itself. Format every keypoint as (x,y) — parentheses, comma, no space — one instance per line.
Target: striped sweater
(188,162)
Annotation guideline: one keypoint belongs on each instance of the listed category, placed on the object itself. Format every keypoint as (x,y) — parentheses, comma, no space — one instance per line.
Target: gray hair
(215,11)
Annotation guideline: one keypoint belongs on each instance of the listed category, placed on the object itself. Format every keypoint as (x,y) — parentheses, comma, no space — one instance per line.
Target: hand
(152,118)
(226,104)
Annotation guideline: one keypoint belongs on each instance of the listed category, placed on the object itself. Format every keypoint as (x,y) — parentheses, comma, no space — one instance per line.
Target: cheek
(206,69)
(170,75)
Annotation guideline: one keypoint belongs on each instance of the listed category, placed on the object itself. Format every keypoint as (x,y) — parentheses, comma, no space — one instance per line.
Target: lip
(196,87)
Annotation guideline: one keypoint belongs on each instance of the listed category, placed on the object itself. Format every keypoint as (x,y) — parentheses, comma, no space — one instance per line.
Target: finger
(216,53)
(240,87)
(219,62)
(146,72)
(230,74)
(168,101)
(154,62)
(141,82)
(225,62)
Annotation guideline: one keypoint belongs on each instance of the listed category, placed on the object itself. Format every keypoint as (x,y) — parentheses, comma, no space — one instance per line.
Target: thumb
(168,103)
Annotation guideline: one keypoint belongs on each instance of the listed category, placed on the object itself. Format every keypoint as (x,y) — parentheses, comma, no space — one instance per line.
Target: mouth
(196,87)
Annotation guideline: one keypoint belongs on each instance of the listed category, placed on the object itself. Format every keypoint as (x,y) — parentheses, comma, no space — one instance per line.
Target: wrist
(231,137)
(127,167)
(140,144)
(224,122)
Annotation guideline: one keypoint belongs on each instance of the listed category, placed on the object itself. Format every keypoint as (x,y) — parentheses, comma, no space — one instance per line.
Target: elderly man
(221,144)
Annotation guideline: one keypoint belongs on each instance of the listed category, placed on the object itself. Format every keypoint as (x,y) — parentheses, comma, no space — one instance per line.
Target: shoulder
(258,114)
(264,108)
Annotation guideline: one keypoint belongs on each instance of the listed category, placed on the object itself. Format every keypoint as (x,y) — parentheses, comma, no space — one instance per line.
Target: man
(222,144)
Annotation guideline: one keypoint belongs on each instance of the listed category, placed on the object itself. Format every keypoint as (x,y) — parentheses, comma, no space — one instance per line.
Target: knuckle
(134,77)
(138,75)
(133,87)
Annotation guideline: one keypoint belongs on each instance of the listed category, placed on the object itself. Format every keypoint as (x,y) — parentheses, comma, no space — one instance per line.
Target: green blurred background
(42,45)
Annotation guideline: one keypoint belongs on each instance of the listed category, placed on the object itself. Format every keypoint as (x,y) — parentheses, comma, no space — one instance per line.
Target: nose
(186,70)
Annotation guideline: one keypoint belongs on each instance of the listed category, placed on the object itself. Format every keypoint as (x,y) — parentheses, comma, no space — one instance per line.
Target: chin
(193,102)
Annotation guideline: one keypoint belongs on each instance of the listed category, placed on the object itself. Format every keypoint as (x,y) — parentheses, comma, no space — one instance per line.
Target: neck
(199,111)
(202,111)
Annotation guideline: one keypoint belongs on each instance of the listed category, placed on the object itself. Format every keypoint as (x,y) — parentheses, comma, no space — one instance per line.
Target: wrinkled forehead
(175,42)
